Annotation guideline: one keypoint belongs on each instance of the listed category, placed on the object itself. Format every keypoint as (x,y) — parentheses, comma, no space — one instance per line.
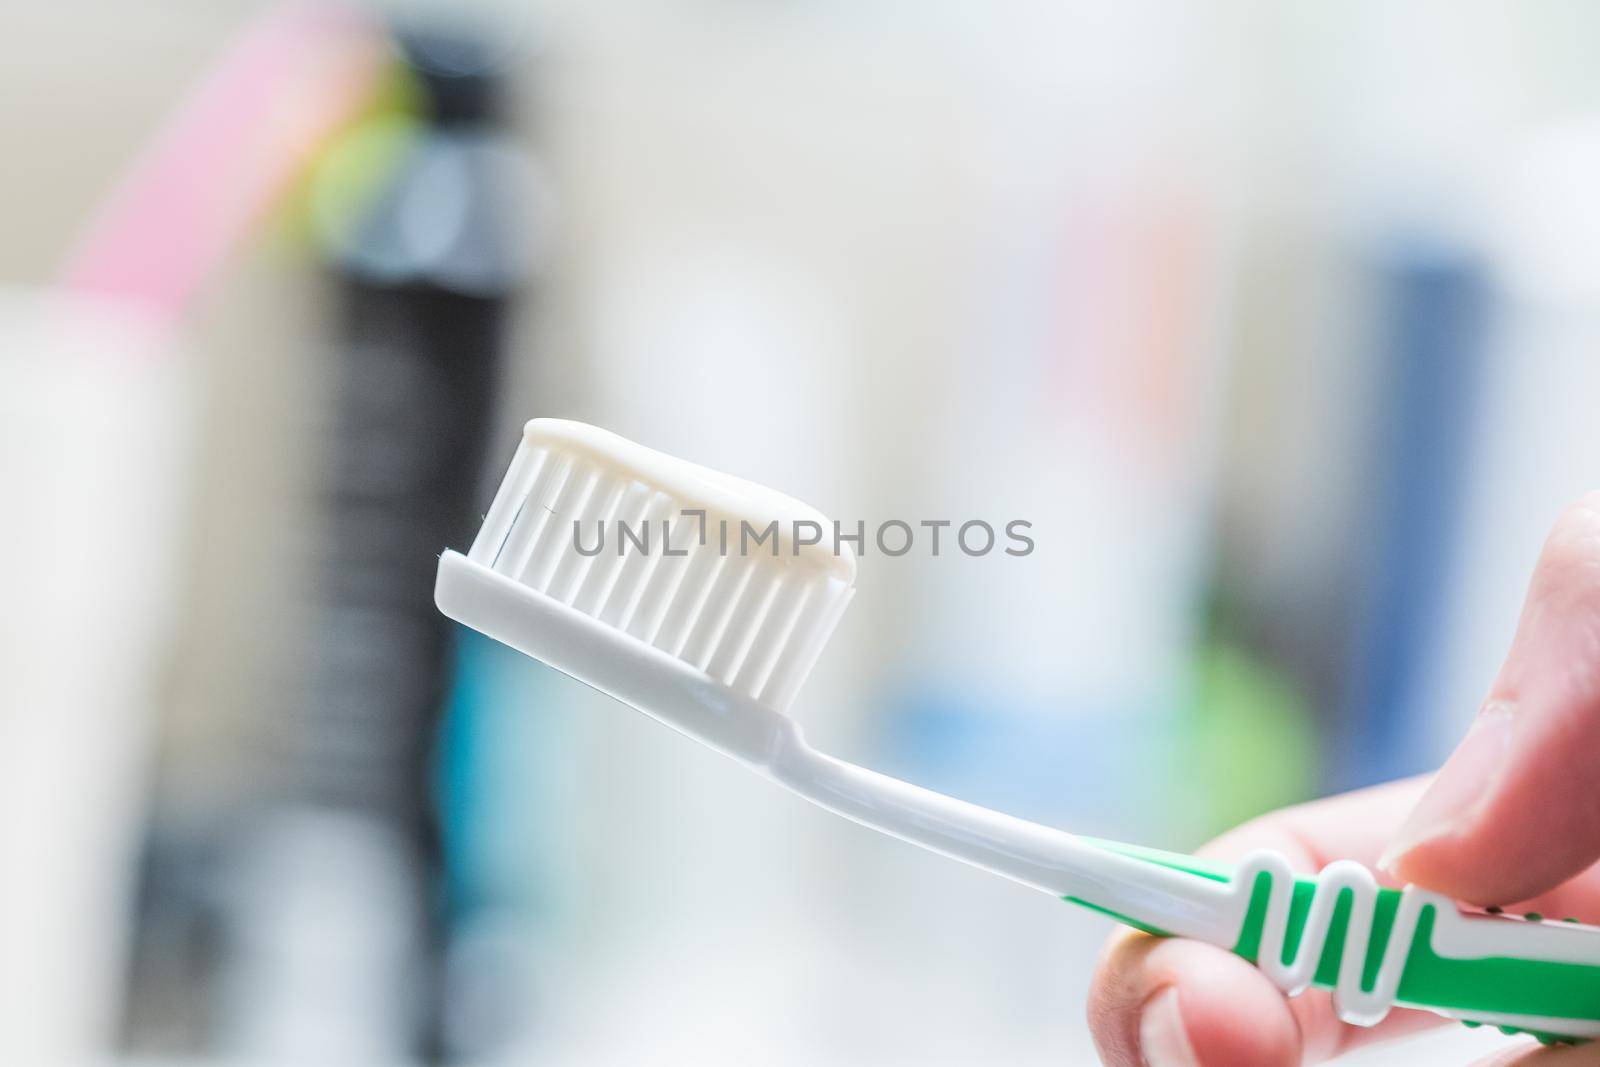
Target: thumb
(1516,809)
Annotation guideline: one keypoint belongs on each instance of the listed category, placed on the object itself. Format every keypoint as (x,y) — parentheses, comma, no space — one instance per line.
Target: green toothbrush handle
(1410,948)
(1541,996)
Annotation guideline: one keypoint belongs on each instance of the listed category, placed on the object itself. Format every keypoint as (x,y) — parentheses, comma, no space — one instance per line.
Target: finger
(1350,826)
(1539,1056)
(1169,1002)
(1514,811)
(1353,826)
(1577,898)
(1181,997)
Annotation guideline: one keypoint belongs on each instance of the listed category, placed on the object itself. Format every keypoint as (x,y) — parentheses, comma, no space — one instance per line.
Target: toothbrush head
(653,579)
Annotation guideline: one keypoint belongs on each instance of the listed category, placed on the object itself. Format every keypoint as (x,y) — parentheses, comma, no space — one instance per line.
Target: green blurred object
(354,167)
(353,174)
(1251,740)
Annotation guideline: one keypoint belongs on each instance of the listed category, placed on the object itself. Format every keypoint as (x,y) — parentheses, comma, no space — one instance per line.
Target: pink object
(279,90)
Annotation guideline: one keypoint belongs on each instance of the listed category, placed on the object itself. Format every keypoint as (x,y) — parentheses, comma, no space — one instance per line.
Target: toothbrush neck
(1014,848)
(1043,858)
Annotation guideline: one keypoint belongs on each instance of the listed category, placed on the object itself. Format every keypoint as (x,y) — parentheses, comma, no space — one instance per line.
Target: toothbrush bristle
(755,621)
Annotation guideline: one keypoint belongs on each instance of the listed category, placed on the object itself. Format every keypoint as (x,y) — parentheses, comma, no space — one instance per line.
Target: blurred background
(1279,324)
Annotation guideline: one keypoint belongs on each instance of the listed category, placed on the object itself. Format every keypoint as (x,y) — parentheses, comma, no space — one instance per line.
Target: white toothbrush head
(642,575)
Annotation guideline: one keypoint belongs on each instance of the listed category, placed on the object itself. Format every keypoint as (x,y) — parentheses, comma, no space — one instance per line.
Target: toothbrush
(667,586)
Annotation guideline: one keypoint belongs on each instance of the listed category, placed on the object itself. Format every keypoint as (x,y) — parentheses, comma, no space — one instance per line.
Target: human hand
(1513,818)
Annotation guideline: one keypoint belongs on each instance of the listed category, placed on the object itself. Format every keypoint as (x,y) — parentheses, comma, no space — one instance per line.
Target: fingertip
(1231,1013)
(1522,834)
(1116,993)
(1542,1056)
(1163,1035)
(1513,811)
(1178,1003)
(1450,866)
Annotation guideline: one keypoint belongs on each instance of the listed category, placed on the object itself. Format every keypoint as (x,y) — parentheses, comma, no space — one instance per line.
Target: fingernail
(1463,788)
(1163,1041)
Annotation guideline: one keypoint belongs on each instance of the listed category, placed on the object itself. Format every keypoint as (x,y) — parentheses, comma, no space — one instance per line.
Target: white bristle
(531,516)
(743,624)
(597,584)
(555,538)
(803,645)
(623,602)
(772,635)
(754,622)
(513,490)
(715,613)
(663,584)
(683,609)
(573,565)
